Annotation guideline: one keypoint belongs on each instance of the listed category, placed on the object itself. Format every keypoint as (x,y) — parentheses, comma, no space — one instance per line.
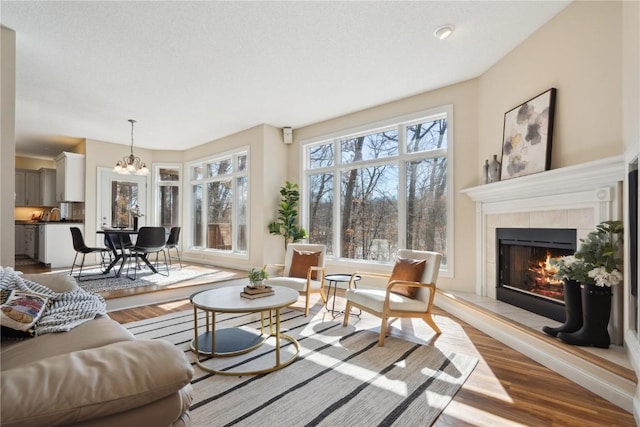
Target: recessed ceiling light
(443,31)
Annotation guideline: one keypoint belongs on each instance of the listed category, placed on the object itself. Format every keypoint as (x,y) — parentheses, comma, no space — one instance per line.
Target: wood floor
(505,389)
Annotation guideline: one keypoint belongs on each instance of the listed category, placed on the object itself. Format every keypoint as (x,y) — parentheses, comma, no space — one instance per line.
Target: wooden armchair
(303,270)
(409,292)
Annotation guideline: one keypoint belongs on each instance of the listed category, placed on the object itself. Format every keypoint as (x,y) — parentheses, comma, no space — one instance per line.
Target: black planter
(596,310)
(573,308)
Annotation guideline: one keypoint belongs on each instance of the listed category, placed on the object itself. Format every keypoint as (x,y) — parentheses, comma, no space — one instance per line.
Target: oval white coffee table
(234,341)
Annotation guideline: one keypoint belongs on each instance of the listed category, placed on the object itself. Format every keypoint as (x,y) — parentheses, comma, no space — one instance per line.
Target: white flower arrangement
(603,277)
(597,260)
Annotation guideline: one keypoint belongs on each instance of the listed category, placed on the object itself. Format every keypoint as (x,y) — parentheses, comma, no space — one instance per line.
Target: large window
(167,179)
(372,192)
(219,198)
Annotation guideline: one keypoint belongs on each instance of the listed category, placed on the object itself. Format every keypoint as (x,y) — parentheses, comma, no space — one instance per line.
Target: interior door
(119,197)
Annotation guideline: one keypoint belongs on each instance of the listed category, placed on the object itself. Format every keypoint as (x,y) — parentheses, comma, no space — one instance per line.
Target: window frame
(401,122)
(189,182)
(156,182)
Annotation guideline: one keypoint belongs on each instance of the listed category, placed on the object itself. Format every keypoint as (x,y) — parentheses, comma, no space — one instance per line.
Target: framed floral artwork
(526,139)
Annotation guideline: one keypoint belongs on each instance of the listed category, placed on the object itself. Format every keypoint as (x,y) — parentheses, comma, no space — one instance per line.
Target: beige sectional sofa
(97,374)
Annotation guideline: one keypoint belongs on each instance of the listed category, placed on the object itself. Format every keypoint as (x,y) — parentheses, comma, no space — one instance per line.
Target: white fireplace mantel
(571,179)
(577,197)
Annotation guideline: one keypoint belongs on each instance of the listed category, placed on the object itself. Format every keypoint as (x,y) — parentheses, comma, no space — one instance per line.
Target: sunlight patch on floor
(471,415)
(171,305)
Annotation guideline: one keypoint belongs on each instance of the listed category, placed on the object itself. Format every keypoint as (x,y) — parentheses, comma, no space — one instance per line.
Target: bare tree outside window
(220,193)
(368,175)
(427,189)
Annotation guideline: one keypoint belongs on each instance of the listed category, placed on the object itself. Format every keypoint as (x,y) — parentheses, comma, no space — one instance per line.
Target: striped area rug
(340,378)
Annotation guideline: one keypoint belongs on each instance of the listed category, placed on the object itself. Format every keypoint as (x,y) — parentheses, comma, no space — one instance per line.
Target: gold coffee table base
(236,341)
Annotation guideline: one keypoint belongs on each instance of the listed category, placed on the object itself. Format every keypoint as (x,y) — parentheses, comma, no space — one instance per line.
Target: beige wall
(631,76)
(7,144)
(268,171)
(579,53)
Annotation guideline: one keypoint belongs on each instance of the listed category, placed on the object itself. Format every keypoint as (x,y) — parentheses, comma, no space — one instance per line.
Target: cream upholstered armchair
(409,292)
(303,271)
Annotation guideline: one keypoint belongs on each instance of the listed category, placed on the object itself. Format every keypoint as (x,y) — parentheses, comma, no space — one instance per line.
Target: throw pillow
(301,261)
(409,270)
(22,310)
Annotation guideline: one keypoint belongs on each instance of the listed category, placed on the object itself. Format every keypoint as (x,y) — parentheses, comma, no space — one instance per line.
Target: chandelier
(131,165)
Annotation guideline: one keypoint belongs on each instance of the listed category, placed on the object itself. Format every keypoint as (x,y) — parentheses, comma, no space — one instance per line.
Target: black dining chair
(150,240)
(172,243)
(81,248)
(118,242)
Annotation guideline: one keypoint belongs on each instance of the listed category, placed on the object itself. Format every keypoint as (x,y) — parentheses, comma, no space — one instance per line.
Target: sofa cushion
(301,261)
(94,333)
(57,282)
(172,410)
(92,383)
(409,270)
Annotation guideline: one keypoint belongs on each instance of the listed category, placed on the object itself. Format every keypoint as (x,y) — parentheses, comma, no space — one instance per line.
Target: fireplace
(525,276)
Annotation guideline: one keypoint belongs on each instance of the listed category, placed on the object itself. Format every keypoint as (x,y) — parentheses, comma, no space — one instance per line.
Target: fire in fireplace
(525,276)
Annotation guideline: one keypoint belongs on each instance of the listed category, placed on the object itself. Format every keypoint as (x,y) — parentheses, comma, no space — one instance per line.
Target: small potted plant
(256,277)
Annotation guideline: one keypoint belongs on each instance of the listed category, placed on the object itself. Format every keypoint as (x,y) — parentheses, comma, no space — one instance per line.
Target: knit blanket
(67,309)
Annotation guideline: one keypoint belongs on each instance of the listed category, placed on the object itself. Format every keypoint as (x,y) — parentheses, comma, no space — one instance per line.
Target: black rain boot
(596,310)
(573,308)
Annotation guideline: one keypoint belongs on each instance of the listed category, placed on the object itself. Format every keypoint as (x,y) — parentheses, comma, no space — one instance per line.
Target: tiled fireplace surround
(577,197)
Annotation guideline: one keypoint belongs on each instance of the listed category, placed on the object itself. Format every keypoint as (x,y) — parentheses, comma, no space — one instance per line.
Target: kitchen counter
(26,221)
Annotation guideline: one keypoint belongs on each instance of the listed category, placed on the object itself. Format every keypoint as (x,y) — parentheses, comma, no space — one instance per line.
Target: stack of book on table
(252,293)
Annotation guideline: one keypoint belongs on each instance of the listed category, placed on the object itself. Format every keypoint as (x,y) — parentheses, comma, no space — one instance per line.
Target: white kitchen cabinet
(27,188)
(70,177)
(48,187)
(57,244)
(20,239)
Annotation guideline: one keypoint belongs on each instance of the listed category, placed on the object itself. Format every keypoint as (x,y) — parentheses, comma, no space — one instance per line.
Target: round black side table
(333,280)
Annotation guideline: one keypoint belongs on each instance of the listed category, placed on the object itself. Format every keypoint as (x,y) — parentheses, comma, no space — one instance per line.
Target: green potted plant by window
(287,223)
(256,277)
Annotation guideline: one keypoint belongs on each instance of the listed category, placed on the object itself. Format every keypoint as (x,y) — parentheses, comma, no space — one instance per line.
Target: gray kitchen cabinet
(27,188)
(48,187)
(20,239)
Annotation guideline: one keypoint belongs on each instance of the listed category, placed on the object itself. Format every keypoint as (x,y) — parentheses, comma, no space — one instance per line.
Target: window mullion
(402,189)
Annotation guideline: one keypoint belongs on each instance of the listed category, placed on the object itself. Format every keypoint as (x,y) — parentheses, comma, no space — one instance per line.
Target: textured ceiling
(192,72)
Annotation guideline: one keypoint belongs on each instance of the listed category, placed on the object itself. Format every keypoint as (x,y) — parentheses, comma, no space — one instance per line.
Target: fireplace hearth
(525,276)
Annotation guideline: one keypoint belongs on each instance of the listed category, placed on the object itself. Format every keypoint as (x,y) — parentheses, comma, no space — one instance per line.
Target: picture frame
(527,136)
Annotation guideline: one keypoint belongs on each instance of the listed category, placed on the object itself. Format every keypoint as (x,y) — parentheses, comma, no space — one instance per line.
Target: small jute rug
(340,378)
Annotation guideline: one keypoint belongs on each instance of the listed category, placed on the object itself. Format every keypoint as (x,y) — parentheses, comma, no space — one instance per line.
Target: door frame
(107,173)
